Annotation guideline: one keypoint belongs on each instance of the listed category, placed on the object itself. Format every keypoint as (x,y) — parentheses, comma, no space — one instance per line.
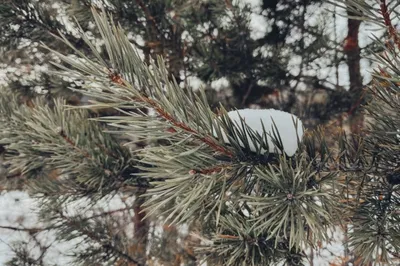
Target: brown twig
(148,15)
(117,78)
(28,230)
(228,4)
(208,171)
(388,22)
(73,144)
(85,153)
(353,57)
(250,88)
(207,140)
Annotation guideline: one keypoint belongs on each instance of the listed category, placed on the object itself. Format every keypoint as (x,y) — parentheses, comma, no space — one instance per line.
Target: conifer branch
(207,140)
(117,79)
(388,22)
(72,143)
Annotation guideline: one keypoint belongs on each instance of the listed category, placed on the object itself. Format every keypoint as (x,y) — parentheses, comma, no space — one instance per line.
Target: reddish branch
(352,51)
(72,143)
(208,171)
(356,105)
(141,225)
(228,4)
(116,78)
(85,153)
(207,140)
(388,22)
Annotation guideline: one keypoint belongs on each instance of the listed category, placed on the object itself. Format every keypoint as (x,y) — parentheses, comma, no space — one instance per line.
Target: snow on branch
(276,127)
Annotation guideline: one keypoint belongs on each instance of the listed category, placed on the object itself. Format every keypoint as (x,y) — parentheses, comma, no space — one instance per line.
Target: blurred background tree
(289,55)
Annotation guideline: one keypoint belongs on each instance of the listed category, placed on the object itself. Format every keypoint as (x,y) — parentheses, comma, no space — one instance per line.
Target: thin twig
(107,246)
(149,17)
(207,140)
(34,230)
(207,171)
(247,93)
(116,78)
(388,22)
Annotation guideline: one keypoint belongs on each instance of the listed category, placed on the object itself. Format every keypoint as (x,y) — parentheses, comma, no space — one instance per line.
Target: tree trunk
(352,51)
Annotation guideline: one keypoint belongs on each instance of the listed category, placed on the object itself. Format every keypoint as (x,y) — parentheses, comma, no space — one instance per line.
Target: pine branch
(48,146)
(207,170)
(388,22)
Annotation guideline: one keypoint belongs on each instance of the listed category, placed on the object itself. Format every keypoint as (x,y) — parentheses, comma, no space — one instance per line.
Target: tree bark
(141,229)
(353,56)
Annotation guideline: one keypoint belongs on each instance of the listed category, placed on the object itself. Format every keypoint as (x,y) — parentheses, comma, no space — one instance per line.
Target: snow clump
(289,126)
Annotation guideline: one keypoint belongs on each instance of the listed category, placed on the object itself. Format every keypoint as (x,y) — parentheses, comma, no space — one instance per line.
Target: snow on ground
(15,210)
(19,210)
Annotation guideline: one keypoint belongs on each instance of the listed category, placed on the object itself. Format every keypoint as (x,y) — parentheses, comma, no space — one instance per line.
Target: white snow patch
(258,26)
(19,210)
(195,83)
(220,84)
(256,119)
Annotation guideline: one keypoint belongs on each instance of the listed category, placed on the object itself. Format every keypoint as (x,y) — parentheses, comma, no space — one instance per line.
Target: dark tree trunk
(352,51)
(141,230)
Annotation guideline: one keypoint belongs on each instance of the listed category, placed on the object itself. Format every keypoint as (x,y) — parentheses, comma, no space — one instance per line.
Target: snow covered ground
(15,210)
(18,210)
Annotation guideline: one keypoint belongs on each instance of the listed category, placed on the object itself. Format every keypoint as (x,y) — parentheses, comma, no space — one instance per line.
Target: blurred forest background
(300,56)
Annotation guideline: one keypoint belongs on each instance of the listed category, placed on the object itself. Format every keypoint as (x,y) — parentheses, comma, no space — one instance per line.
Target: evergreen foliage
(248,207)
(195,175)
